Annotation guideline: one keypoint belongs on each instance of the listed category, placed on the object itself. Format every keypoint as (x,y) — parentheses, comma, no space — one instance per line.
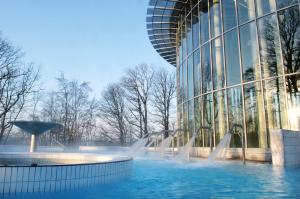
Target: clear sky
(90,40)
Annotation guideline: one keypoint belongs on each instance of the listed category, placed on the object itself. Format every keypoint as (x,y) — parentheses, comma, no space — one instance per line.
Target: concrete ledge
(285,147)
(252,154)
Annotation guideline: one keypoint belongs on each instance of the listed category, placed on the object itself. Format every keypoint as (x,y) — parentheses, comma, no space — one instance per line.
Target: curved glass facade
(238,62)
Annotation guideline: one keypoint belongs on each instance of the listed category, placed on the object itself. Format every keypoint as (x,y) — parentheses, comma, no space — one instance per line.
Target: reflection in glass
(289,27)
(196,28)
(285,3)
(198,121)
(184,81)
(185,124)
(293,100)
(255,120)
(270,56)
(217,63)
(246,10)
(183,39)
(265,6)
(206,70)
(235,112)
(189,34)
(249,52)
(232,58)
(207,118)
(191,119)
(275,103)
(197,73)
(229,14)
(203,9)
(179,84)
(215,18)
(220,115)
(190,77)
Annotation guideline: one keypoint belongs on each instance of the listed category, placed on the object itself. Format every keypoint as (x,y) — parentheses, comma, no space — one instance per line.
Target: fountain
(219,151)
(35,128)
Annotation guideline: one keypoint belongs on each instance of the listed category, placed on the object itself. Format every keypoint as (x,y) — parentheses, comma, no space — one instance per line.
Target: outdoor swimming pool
(166,179)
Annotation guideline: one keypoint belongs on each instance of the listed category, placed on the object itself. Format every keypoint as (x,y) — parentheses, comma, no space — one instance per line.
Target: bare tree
(137,83)
(163,93)
(113,111)
(17,83)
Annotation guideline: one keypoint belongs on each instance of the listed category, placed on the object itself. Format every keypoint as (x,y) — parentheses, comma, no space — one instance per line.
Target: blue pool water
(165,179)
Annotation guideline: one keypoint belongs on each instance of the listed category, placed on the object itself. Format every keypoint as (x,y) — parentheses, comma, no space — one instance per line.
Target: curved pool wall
(53,172)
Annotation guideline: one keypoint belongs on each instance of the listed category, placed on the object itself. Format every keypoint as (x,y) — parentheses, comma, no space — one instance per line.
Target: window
(289,28)
(232,58)
(203,9)
(269,41)
(206,70)
(249,52)
(217,63)
(285,3)
(215,18)
(207,118)
(275,103)
(189,34)
(220,115)
(255,120)
(196,28)
(265,6)
(229,14)
(198,121)
(197,73)
(190,78)
(293,100)
(235,113)
(246,10)
(191,118)
(184,81)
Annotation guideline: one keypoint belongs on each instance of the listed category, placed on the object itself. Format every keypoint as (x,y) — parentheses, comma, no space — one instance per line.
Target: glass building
(237,61)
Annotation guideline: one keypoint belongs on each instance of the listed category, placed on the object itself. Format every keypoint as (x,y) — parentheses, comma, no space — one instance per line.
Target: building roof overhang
(162,22)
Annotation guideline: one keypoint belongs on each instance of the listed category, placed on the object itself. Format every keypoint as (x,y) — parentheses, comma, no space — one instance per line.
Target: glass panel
(198,121)
(220,115)
(265,6)
(189,34)
(197,73)
(185,124)
(179,46)
(190,78)
(269,41)
(206,70)
(229,14)
(183,40)
(217,63)
(246,10)
(293,100)
(249,51)
(215,18)
(191,118)
(275,103)
(196,28)
(235,113)
(184,81)
(233,71)
(179,85)
(289,26)
(285,3)
(207,118)
(255,120)
(203,9)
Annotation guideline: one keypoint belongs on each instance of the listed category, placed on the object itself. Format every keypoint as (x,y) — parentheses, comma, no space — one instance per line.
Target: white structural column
(33,143)
(219,69)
